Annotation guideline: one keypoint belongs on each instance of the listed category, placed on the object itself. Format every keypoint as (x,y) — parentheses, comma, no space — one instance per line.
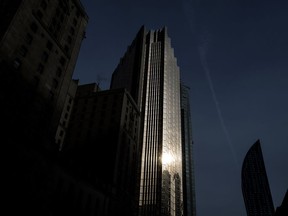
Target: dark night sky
(233,54)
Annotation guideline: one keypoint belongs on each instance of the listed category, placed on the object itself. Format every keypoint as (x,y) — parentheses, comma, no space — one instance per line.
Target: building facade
(255,185)
(150,72)
(102,144)
(39,46)
(189,203)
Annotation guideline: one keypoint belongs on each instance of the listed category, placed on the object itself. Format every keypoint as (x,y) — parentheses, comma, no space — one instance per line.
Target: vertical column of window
(57,21)
(143,182)
(29,39)
(44,58)
(149,131)
(23,50)
(61,68)
(41,10)
(154,122)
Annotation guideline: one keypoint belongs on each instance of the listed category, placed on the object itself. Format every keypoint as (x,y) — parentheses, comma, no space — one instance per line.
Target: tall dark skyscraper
(188,160)
(255,185)
(150,72)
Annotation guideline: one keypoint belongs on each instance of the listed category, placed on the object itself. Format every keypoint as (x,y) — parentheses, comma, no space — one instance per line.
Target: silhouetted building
(39,46)
(282,210)
(102,145)
(150,72)
(189,202)
(255,185)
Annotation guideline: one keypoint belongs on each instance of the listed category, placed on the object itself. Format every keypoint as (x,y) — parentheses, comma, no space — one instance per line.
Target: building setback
(255,185)
(150,72)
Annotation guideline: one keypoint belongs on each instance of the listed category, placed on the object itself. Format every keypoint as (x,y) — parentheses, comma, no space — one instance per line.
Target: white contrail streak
(202,51)
(188,7)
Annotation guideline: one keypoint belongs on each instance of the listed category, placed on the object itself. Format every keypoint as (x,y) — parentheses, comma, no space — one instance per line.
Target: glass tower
(150,72)
(255,185)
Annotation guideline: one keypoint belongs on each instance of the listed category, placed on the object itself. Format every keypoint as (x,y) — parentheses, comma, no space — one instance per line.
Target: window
(62,61)
(72,30)
(39,14)
(17,63)
(55,83)
(57,12)
(69,39)
(77,13)
(45,56)
(36,81)
(40,68)
(23,51)
(49,45)
(34,27)
(43,5)
(62,18)
(54,21)
(28,38)
(66,49)
(74,22)
(51,95)
(59,72)
(58,27)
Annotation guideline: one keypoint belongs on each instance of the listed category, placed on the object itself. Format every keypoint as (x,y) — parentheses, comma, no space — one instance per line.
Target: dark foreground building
(255,185)
(39,45)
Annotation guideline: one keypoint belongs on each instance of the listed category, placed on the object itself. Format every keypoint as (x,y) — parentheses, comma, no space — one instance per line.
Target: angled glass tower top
(255,185)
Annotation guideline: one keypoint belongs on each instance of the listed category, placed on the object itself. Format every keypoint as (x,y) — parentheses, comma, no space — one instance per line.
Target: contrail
(202,51)
(187,6)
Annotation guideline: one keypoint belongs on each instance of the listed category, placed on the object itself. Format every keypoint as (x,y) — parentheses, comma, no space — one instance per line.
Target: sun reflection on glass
(167,158)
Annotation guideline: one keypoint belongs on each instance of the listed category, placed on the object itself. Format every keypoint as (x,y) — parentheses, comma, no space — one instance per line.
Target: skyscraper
(150,72)
(255,185)
(189,203)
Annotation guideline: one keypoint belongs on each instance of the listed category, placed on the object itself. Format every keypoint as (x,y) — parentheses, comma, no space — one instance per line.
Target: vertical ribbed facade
(188,159)
(255,185)
(149,70)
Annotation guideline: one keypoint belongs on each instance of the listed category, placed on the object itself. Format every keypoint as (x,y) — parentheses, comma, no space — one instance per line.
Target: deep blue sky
(233,54)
